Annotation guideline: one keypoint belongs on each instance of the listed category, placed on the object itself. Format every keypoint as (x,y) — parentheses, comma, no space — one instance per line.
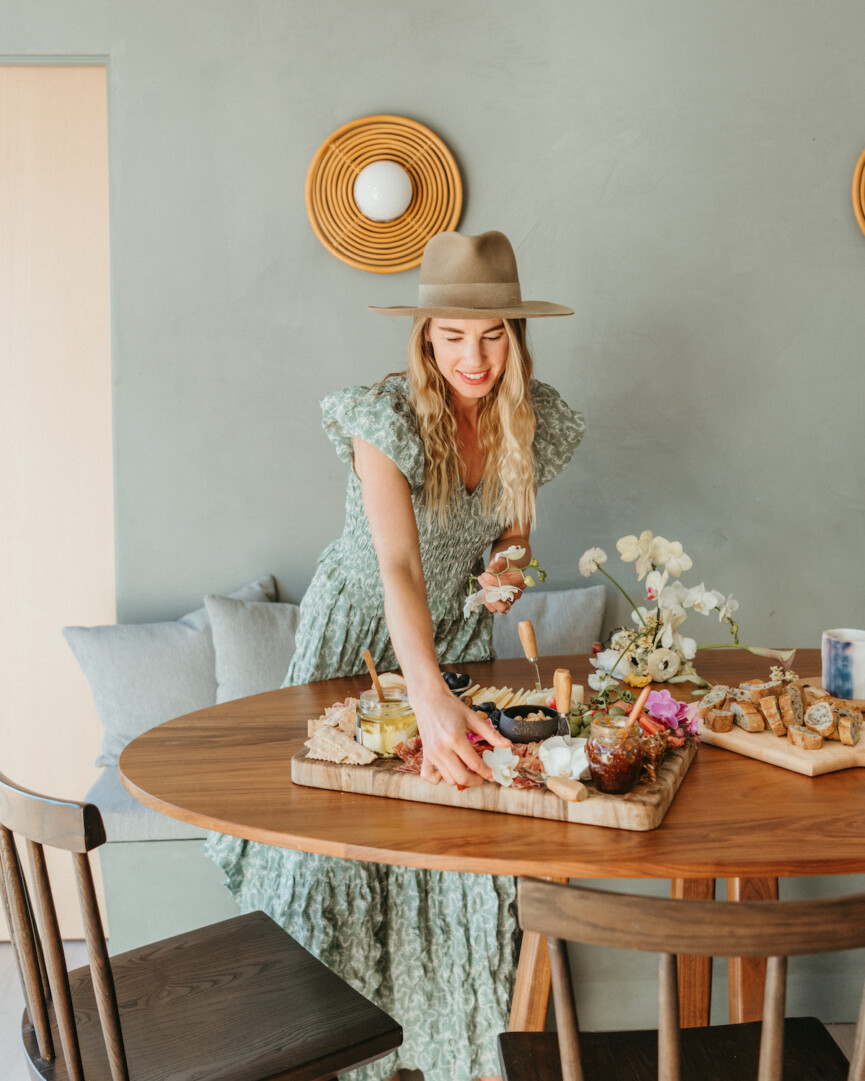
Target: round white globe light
(383,191)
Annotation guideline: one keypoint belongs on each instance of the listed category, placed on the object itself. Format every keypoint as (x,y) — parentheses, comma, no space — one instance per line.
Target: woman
(446,460)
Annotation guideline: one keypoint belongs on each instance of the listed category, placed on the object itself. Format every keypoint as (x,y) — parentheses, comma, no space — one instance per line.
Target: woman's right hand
(444,721)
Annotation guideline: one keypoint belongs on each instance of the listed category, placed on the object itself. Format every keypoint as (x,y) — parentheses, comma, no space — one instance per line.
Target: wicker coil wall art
(859,192)
(389,246)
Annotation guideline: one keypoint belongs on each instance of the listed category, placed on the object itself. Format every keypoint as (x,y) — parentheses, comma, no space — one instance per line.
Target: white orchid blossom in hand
(590,560)
(500,593)
(503,763)
(514,552)
(474,602)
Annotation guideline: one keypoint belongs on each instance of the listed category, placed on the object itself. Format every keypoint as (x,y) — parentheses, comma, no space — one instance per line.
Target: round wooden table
(228,768)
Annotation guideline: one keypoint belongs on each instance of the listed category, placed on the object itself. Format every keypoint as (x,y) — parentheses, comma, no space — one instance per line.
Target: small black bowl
(457,681)
(517,730)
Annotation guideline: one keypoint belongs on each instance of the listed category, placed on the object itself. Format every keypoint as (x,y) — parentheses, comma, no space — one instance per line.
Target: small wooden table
(227,768)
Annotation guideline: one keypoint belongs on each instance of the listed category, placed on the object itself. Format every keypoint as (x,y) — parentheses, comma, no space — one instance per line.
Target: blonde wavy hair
(506,429)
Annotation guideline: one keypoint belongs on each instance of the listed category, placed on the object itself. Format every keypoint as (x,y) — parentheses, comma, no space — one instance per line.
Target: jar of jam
(615,753)
(382,725)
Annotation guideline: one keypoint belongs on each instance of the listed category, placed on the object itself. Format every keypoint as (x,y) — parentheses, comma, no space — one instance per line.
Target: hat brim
(528,309)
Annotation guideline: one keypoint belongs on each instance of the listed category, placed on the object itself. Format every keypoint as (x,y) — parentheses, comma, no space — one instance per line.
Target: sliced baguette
(849,725)
(718,720)
(747,716)
(821,718)
(800,736)
(713,699)
(770,711)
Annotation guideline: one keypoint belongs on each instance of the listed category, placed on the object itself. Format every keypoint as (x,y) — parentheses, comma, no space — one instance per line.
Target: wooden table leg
(747,975)
(695,973)
(532,988)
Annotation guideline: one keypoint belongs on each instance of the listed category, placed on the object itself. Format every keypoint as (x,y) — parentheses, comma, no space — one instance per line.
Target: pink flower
(663,707)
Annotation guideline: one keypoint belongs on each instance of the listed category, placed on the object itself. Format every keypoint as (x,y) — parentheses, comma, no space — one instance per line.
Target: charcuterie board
(642,809)
(767,747)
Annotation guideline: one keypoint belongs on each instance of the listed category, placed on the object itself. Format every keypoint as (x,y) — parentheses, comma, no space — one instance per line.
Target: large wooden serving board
(642,809)
(767,747)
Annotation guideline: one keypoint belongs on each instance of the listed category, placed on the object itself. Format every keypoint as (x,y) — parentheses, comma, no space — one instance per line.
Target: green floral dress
(435,949)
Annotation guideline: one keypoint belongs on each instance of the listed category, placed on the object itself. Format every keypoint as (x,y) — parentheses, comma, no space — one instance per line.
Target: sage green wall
(679,173)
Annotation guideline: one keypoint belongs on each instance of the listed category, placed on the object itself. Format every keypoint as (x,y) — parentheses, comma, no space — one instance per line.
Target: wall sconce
(859,192)
(378,188)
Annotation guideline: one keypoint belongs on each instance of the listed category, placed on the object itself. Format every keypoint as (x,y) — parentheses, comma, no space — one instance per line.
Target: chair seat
(237,1001)
(717,1053)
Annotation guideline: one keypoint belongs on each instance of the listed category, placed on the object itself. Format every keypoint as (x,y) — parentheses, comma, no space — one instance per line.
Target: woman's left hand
(513,577)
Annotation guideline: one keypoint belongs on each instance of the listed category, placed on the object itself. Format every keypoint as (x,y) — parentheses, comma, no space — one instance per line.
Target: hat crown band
(470,295)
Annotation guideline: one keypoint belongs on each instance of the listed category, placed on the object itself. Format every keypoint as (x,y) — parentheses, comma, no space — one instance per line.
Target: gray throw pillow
(142,674)
(565,621)
(254,643)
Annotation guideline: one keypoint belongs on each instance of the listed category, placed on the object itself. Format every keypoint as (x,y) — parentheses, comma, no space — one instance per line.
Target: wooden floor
(11,1005)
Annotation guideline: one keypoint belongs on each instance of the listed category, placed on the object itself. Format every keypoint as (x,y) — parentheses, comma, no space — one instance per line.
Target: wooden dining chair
(772,929)
(236,1001)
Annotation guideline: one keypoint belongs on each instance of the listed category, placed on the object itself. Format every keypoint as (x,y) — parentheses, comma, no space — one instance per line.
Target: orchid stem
(624,594)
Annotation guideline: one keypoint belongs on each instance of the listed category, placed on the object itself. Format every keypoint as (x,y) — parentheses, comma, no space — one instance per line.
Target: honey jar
(382,725)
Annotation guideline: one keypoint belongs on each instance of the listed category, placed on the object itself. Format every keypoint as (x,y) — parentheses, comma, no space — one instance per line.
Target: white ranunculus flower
(663,663)
(474,602)
(590,560)
(727,608)
(630,548)
(514,552)
(612,662)
(686,646)
(677,561)
(503,762)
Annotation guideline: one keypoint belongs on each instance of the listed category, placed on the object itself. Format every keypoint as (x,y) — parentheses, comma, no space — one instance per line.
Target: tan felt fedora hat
(472,277)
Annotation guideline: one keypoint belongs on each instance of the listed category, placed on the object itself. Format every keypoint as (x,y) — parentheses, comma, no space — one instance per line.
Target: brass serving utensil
(562,691)
(530,648)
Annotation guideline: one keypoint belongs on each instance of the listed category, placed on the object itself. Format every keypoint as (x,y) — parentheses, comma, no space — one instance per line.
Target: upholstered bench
(157,880)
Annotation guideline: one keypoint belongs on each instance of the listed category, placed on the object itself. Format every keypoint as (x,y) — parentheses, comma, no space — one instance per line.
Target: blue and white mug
(844,663)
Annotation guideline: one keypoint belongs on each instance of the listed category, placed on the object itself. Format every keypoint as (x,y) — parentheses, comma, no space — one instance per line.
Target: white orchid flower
(503,763)
(563,756)
(660,550)
(643,566)
(673,595)
(590,560)
(630,548)
(474,602)
(655,583)
(670,619)
(727,608)
(677,561)
(514,552)
(600,681)
(500,593)
(703,600)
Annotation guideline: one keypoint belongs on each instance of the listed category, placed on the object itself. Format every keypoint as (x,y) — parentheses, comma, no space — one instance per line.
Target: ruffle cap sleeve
(379,415)
(558,431)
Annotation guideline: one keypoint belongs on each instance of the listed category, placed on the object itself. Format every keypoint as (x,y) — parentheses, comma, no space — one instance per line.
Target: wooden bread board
(778,751)
(642,809)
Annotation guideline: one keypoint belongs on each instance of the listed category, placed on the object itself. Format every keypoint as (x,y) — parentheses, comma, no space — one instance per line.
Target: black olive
(457,681)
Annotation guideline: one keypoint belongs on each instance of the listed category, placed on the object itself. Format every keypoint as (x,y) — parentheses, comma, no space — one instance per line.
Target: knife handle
(567,788)
(562,690)
(527,637)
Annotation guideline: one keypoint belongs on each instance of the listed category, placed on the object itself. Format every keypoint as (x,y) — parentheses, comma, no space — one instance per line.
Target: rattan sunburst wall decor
(859,192)
(409,178)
